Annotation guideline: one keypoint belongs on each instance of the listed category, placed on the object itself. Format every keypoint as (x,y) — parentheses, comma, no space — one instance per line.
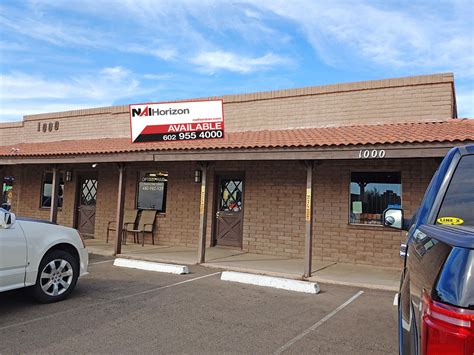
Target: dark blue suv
(436,298)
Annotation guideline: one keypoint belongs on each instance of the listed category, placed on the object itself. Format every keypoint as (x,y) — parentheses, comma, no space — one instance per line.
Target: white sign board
(175,121)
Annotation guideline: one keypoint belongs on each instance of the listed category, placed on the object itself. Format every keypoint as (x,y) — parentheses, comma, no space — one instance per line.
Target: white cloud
(168,31)
(12,46)
(413,36)
(52,32)
(150,49)
(208,36)
(24,86)
(252,14)
(165,76)
(213,61)
(109,83)
(22,93)
(15,111)
(164,53)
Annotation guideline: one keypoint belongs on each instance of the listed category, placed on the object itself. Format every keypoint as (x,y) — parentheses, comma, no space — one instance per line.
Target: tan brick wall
(178,226)
(107,187)
(274,194)
(27,192)
(71,127)
(384,105)
(335,239)
(274,220)
(274,202)
(411,99)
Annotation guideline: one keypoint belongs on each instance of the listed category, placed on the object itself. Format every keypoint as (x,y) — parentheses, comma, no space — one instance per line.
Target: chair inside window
(146,224)
(129,220)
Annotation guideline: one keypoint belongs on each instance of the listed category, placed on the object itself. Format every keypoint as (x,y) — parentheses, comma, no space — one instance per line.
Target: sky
(62,55)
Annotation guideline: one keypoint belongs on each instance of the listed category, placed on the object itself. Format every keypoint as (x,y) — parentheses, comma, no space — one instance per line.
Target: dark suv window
(458,204)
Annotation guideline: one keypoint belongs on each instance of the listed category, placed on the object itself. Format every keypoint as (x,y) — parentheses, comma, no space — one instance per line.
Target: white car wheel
(57,276)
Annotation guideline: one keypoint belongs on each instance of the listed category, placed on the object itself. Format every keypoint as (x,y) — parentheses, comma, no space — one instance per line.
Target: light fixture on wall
(95,165)
(68,175)
(197,176)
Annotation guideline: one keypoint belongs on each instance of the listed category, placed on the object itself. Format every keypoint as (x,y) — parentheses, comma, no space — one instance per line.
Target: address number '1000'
(371,153)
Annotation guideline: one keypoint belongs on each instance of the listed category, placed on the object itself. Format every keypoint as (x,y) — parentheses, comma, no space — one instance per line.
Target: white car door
(13,256)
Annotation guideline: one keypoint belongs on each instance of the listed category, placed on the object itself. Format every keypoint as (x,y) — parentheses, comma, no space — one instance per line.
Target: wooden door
(229,211)
(86,203)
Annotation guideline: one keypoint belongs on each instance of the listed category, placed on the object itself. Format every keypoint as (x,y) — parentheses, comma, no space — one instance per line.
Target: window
(152,191)
(371,194)
(47,189)
(230,195)
(458,203)
(7,193)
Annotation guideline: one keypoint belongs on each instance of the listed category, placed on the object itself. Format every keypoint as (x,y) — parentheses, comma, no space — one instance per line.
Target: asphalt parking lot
(118,310)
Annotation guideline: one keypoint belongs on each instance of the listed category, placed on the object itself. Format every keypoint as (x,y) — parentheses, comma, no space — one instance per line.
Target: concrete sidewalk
(235,260)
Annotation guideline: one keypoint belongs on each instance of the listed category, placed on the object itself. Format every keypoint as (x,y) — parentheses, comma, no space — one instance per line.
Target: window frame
(142,173)
(61,175)
(369,225)
(4,195)
(444,193)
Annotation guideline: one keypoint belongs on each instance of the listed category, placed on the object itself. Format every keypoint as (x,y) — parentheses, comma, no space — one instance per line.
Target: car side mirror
(393,218)
(7,219)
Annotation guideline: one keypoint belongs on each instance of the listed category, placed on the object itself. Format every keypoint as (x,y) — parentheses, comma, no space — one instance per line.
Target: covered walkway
(237,260)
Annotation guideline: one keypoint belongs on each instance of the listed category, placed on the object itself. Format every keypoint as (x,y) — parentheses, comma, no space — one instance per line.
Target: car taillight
(446,329)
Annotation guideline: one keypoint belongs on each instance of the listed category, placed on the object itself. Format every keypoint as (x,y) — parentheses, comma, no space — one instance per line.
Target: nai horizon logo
(177,121)
(150,111)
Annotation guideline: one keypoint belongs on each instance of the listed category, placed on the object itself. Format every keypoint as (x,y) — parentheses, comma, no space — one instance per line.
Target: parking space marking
(102,262)
(317,324)
(105,302)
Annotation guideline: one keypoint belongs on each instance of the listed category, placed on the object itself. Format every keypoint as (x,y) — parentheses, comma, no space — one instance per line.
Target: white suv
(48,257)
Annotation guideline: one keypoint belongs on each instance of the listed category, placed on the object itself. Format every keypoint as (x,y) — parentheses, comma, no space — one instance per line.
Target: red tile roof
(420,132)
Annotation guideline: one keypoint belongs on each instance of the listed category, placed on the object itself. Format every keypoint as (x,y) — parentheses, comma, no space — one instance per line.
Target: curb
(369,286)
(270,281)
(151,266)
(156,260)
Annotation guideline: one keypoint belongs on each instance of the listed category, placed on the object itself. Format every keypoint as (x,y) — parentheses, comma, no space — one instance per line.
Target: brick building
(300,173)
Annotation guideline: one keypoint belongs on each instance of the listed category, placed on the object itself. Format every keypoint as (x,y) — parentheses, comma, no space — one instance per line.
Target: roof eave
(392,151)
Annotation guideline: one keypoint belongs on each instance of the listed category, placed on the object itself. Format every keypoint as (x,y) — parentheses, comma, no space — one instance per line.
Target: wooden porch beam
(120,207)
(308,244)
(53,211)
(203,207)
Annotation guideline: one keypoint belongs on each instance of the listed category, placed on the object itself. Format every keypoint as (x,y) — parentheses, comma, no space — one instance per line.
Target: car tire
(57,277)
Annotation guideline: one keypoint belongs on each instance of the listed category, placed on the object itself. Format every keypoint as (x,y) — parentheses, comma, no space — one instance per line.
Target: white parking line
(105,302)
(316,325)
(102,262)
